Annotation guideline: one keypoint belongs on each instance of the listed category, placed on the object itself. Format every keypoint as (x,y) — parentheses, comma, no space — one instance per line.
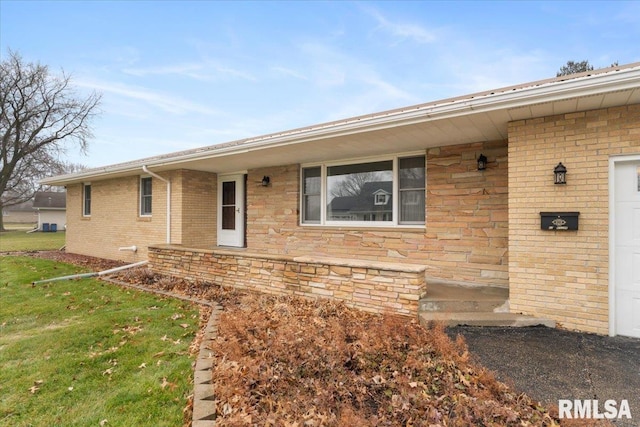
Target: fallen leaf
(378,380)
(34,389)
(166,383)
(142,366)
(184,325)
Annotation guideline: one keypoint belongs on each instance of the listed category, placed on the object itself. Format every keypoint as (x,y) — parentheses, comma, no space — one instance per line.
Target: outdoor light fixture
(560,174)
(482,162)
(265,181)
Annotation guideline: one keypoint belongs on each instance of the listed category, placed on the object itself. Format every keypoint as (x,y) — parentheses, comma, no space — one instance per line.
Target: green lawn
(77,353)
(20,240)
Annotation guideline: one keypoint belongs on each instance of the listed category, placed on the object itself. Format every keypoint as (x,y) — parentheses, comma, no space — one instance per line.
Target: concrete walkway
(552,364)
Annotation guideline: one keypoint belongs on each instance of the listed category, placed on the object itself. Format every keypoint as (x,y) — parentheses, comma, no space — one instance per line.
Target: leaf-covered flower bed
(288,361)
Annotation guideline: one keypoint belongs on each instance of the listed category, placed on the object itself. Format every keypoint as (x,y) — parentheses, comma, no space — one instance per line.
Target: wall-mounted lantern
(265,181)
(482,162)
(560,174)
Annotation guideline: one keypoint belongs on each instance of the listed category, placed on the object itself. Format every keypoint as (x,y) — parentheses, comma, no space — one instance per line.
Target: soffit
(420,135)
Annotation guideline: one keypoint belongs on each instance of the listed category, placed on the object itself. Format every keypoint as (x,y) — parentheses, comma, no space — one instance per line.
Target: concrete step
(462,306)
(443,297)
(483,319)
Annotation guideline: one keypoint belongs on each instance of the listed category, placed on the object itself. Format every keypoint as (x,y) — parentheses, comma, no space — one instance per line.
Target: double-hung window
(86,199)
(383,192)
(145,196)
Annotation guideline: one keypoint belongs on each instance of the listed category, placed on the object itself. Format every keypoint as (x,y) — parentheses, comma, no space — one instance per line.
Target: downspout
(93,274)
(155,175)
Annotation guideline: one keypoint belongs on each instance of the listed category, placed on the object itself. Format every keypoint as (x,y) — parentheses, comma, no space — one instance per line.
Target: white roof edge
(582,84)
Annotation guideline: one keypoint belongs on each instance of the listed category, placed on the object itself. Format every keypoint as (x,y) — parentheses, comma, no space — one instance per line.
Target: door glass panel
(228,193)
(229,205)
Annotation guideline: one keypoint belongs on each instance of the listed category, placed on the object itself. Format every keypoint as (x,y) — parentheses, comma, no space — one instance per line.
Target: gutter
(168,182)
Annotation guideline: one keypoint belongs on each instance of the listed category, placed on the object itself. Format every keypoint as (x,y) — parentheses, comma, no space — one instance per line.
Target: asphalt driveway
(552,364)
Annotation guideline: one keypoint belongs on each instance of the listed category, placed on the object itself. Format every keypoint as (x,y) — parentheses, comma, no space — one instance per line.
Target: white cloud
(205,71)
(167,103)
(289,72)
(400,30)
(188,70)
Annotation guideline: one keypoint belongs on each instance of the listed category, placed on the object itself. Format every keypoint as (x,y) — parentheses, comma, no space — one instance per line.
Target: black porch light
(482,162)
(265,181)
(560,174)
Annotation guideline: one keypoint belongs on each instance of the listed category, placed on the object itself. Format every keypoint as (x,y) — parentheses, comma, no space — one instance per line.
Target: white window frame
(324,222)
(84,199)
(381,199)
(142,196)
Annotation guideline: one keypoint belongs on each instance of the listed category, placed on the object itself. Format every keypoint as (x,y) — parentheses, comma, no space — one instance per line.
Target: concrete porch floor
(458,305)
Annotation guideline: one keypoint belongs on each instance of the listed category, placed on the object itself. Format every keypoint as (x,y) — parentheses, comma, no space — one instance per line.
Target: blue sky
(184,74)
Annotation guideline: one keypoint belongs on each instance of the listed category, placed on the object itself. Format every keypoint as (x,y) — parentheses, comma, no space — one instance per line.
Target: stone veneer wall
(564,275)
(375,287)
(465,238)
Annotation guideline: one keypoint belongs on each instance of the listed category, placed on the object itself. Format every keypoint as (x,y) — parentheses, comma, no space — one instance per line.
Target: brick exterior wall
(465,239)
(375,287)
(563,275)
(115,221)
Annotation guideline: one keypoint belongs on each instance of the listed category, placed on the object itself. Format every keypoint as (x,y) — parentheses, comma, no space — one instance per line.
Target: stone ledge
(308,259)
(224,251)
(358,263)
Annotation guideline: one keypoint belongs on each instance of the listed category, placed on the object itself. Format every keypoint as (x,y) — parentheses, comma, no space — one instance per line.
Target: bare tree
(352,184)
(40,117)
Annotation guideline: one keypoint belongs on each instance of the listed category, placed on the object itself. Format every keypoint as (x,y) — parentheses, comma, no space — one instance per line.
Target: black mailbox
(559,220)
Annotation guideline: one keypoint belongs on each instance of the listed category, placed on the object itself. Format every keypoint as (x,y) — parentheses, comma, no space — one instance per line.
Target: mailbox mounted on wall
(560,221)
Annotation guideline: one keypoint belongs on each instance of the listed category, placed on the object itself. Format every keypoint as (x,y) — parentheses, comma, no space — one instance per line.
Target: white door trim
(613,161)
(236,237)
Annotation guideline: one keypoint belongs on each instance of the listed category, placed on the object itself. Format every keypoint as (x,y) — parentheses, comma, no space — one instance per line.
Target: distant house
(21,213)
(51,209)
(460,190)
(371,203)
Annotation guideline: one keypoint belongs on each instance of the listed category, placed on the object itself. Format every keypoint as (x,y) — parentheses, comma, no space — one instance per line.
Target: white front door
(231,210)
(627,248)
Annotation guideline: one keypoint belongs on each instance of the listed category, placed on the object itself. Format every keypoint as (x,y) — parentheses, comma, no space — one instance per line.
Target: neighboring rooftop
(50,200)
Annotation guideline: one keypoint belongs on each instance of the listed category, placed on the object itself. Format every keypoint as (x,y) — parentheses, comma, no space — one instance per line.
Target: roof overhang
(472,118)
